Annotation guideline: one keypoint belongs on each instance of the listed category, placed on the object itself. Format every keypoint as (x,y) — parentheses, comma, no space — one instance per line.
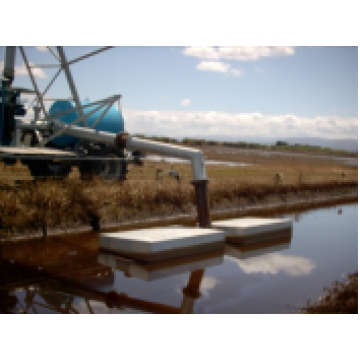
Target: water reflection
(274,263)
(196,265)
(160,269)
(50,276)
(260,258)
(57,276)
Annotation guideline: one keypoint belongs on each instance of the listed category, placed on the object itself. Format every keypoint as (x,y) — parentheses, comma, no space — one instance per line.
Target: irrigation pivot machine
(44,143)
(90,135)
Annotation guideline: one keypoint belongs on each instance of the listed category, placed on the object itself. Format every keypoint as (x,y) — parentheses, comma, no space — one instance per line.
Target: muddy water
(69,275)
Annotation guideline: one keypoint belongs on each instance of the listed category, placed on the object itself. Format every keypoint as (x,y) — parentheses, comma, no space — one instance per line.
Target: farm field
(29,206)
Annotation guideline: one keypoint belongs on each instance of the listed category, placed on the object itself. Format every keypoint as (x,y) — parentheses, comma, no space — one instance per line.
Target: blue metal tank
(113,121)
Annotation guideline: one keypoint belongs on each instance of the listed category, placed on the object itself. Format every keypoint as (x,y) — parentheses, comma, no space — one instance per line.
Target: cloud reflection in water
(275,263)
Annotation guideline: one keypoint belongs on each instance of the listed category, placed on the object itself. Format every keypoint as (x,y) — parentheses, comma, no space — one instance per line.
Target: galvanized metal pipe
(181,152)
(200,180)
(132,143)
(85,133)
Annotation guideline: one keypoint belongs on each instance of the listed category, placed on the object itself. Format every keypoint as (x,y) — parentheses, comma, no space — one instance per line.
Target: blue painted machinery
(94,157)
(112,122)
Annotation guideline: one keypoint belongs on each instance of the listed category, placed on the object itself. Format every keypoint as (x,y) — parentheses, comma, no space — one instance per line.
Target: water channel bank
(340,298)
(67,274)
(72,209)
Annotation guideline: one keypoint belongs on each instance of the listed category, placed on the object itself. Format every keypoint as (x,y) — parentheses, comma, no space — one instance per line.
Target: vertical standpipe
(200,180)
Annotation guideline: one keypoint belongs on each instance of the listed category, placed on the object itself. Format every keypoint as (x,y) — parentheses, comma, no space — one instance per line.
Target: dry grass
(49,204)
(340,298)
(68,204)
(29,206)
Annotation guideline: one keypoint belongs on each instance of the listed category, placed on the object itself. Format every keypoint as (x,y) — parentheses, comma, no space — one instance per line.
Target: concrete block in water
(162,243)
(254,229)
(160,269)
(242,252)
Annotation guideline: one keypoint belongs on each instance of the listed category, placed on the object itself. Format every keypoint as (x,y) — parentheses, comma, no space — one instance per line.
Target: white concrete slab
(161,269)
(162,240)
(251,226)
(246,252)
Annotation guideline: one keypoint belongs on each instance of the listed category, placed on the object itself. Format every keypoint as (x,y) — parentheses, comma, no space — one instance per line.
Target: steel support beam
(101,116)
(89,54)
(40,100)
(45,66)
(48,87)
(104,101)
(56,56)
(75,96)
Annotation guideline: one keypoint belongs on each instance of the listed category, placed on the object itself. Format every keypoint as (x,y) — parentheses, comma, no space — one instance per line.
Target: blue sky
(259,91)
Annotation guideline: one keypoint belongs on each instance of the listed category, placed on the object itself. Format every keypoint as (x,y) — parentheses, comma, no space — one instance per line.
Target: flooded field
(172,160)
(68,274)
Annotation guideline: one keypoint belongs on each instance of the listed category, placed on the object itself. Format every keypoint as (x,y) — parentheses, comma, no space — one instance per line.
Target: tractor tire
(107,170)
(42,169)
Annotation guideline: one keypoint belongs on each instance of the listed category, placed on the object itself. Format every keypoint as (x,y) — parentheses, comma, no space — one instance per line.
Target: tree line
(278,145)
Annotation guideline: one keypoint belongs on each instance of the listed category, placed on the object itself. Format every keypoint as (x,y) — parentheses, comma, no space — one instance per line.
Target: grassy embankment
(38,206)
(340,298)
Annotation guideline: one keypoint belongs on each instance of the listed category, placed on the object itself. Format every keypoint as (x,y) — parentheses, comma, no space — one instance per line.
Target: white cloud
(238,52)
(213,66)
(185,102)
(21,70)
(207,283)
(218,66)
(205,52)
(274,263)
(41,48)
(214,123)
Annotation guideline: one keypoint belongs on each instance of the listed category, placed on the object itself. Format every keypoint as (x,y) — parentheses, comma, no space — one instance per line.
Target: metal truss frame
(64,65)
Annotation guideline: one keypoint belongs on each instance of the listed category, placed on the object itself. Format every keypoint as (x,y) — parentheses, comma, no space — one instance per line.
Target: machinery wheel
(9,161)
(41,169)
(108,170)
